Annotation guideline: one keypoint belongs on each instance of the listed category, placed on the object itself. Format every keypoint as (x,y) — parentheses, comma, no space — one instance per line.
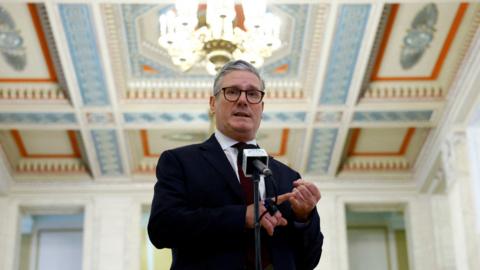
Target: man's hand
(268,222)
(305,197)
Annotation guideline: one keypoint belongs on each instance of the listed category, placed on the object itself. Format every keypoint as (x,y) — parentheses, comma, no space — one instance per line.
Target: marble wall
(441,224)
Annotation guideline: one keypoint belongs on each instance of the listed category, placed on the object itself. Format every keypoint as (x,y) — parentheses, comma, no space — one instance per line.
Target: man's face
(238,120)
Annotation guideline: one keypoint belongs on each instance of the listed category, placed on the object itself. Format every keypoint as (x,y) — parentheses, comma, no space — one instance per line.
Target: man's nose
(243,97)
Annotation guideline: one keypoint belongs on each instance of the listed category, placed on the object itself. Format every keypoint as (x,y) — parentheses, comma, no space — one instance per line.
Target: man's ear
(212,104)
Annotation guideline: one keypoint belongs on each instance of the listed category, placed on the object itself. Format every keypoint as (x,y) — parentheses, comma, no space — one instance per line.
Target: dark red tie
(245,182)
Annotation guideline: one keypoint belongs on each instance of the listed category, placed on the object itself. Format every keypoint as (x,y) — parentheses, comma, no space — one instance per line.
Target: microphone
(255,159)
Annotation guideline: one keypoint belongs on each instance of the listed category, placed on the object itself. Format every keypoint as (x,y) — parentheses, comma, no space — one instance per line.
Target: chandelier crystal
(214,39)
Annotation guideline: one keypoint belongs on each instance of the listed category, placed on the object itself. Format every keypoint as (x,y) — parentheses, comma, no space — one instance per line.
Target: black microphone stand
(259,171)
(256,199)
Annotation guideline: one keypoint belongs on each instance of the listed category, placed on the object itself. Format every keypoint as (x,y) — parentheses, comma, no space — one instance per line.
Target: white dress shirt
(231,152)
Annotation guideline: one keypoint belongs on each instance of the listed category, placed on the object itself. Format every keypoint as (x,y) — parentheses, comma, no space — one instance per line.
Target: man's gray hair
(233,66)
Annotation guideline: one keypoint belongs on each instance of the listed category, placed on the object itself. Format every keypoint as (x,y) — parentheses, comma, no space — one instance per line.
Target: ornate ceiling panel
(52,153)
(145,72)
(379,149)
(147,145)
(418,50)
(30,67)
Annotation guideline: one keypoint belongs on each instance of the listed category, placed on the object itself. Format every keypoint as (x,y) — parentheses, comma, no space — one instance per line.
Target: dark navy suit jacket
(198,211)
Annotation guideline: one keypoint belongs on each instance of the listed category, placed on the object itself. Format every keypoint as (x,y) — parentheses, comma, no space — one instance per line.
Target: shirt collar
(227,142)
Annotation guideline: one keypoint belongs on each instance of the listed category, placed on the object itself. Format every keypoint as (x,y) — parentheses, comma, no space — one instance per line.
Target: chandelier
(218,37)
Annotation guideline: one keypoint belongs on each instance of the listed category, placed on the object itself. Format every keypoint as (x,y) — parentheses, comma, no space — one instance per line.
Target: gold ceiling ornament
(214,40)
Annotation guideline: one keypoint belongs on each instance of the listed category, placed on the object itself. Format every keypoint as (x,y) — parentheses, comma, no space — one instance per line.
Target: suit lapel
(213,153)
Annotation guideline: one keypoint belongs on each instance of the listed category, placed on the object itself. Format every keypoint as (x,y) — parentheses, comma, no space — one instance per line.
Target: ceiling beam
(317,85)
(71,81)
(375,16)
(110,81)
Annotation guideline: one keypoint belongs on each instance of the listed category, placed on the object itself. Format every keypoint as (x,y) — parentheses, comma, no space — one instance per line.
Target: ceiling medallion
(11,43)
(419,36)
(219,35)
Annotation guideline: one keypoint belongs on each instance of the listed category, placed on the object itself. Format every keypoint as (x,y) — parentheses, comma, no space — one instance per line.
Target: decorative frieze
(323,141)
(37,92)
(167,117)
(376,164)
(38,118)
(317,39)
(50,165)
(402,91)
(112,24)
(107,151)
(202,90)
(393,116)
(295,117)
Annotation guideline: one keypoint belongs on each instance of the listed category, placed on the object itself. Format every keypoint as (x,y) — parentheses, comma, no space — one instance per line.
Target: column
(111,223)
(419,234)
(328,216)
(461,201)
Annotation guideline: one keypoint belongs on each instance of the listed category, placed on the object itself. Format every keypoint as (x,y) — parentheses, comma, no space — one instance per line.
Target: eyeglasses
(232,94)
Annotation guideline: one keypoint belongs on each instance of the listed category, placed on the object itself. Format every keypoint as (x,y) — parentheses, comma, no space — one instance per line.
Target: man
(203,208)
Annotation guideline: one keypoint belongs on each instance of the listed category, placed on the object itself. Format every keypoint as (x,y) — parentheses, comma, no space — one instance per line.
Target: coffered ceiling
(355,91)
